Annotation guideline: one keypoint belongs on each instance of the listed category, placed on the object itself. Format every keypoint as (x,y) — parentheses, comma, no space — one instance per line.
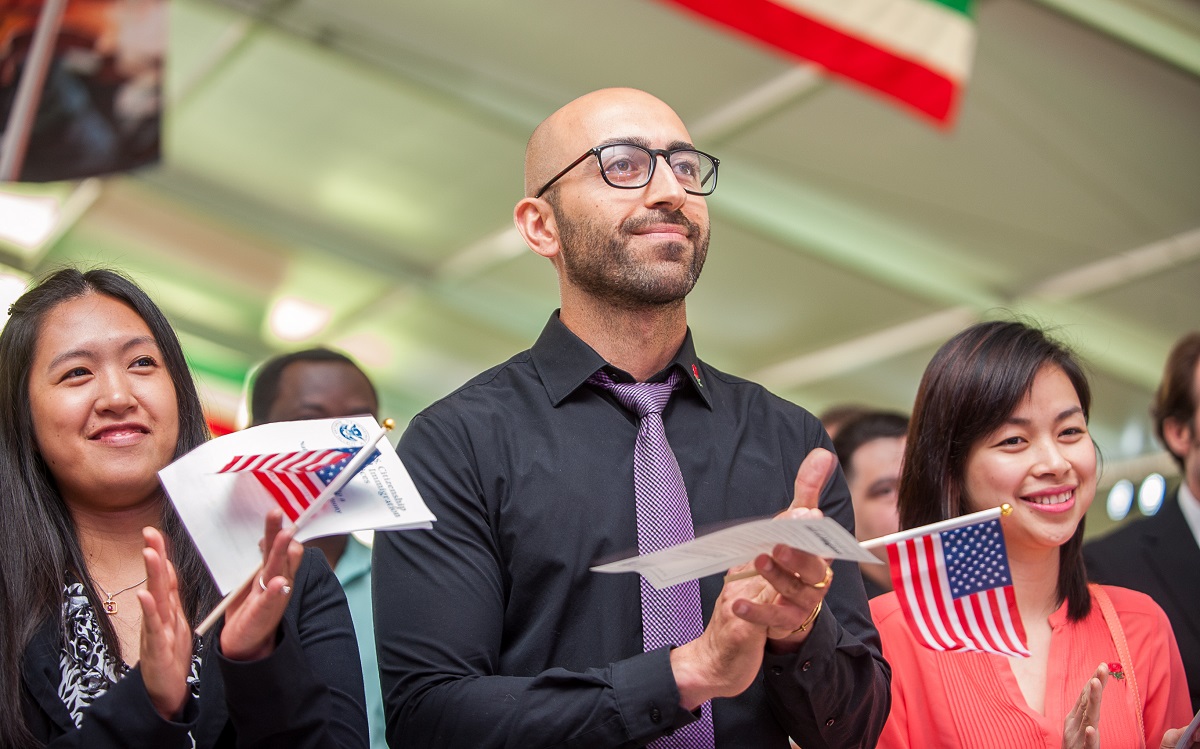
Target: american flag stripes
(955,589)
(294,479)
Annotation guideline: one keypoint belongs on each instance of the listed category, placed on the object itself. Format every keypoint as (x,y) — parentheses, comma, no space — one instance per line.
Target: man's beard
(601,262)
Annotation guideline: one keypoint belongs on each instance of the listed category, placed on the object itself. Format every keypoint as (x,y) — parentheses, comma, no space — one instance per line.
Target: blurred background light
(1120,499)
(1151,493)
(294,320)
(12,286)
(27,220)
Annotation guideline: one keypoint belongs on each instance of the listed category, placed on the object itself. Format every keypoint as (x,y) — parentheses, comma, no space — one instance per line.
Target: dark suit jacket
(1158,555)
(308,693)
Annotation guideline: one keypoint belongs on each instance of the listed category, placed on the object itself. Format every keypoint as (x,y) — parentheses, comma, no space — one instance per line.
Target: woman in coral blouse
(1001,416)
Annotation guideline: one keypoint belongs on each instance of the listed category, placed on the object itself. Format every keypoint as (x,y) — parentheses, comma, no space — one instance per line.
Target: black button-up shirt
(493,632)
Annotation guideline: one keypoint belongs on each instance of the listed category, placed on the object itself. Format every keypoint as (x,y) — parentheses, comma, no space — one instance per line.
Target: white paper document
(718,551)
(224,489)
(1187,738)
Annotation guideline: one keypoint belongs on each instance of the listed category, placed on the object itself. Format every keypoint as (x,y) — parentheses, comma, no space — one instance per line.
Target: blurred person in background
(321,384)
(834,417)
(1160,555)
(870,447)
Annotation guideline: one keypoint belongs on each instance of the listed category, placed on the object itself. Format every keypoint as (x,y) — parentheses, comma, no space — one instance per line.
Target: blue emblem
(350,432)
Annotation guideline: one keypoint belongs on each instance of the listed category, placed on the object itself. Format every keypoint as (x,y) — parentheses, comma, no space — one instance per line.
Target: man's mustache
(676,218)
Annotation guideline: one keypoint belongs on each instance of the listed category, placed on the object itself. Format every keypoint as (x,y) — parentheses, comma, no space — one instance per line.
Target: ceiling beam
(1131,355)
(506,101)
(847,356)
(1140,27)
(228,46)
(851,236)
(1122,268)
(286,228)
(242,343)
(758,104)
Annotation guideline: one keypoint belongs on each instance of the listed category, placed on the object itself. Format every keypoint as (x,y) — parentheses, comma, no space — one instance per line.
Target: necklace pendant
(110,606)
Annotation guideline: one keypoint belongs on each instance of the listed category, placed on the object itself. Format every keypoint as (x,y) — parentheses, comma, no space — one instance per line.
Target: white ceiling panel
(365,156)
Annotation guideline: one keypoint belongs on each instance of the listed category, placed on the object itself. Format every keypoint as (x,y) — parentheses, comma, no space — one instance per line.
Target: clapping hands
(254,615)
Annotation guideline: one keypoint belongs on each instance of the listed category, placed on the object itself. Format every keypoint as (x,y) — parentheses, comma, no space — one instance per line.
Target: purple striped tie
(671,616)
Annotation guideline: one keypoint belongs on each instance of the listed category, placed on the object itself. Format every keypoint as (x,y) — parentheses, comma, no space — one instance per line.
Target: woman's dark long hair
(40,547)
(970,388)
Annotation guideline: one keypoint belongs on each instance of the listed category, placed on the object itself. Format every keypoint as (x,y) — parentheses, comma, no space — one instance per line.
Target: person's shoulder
(1129,534)
(479,394)
(313,565)
(518,366)
(899,643)
(314,575)
(1132,602)
(1142,619)
(315,591)
(747,391)
(885,609)
(744,387)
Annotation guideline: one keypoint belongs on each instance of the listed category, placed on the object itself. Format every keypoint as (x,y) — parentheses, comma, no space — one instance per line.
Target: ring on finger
(285,590)
(824,583)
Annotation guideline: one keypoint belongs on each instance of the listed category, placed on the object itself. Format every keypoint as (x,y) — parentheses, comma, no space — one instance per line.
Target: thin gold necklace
(110,606)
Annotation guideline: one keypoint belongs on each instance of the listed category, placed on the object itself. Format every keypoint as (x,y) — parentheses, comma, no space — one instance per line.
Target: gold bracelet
(811,618)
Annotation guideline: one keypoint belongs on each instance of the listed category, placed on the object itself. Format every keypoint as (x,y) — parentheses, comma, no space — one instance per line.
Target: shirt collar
(1190,507)
(354,562)
(564,362)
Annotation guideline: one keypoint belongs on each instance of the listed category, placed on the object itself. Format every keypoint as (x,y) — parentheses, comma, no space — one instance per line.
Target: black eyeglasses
(628,166)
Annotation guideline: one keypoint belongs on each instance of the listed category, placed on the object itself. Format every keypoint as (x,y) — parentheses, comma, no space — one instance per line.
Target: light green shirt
(354,573)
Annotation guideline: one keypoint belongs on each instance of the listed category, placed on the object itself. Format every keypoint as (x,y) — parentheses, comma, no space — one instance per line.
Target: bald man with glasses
(610,435)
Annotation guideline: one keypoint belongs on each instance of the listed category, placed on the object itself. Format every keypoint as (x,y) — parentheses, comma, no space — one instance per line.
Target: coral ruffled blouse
(956,700)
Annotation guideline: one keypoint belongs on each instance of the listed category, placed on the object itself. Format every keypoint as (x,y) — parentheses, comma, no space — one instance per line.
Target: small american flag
(955,588)
(294,479)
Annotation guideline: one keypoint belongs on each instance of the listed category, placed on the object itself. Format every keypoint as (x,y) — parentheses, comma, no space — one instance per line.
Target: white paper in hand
(222,490)
(1188,737)
(717,552)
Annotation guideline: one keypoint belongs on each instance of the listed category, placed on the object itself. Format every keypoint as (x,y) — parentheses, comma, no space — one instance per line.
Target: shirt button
(777,670)
(655,715)
(806,665)
(830,722)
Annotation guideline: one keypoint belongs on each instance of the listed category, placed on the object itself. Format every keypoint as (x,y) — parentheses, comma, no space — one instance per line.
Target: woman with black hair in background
(102,586)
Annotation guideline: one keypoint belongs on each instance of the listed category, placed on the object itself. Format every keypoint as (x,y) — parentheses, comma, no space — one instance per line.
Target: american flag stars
(976,559)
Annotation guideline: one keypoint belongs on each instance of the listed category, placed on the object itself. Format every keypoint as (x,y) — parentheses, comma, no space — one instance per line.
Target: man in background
(1160,555)
(322,384)
(870,447)
(837,415)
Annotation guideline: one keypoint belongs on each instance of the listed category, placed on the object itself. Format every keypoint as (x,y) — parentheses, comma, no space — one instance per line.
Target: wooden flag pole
(335,486)
(29,91)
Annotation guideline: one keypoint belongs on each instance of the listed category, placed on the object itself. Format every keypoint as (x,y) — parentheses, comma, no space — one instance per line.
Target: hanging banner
(80,87)
(917,52)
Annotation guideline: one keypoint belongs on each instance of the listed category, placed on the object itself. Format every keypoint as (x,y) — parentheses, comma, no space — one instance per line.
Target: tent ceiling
(366,155)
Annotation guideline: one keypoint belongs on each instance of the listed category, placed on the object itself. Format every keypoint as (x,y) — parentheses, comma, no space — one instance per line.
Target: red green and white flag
(918,52)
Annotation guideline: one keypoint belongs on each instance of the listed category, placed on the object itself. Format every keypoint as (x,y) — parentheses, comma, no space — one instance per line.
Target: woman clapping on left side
(102,586)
